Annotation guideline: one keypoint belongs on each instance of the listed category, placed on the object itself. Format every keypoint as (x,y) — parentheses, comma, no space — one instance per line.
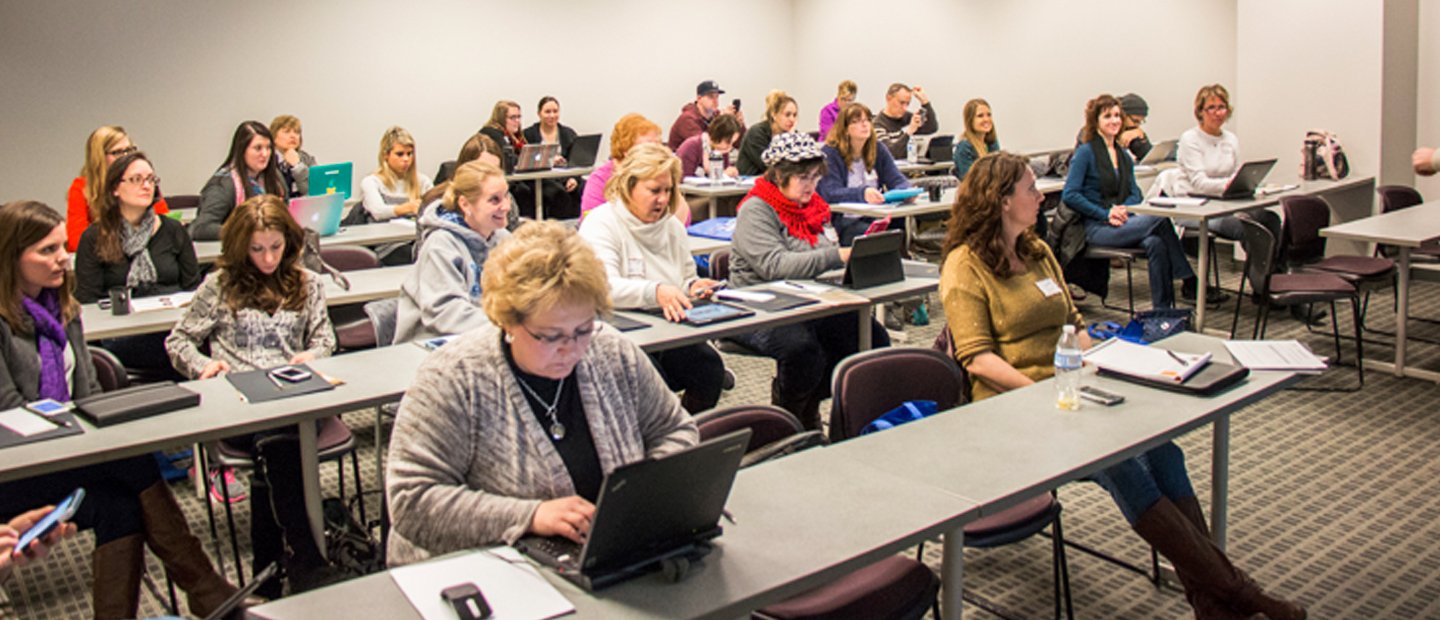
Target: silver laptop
(1160,153)
(1243,185)
(321,213)
(536,157)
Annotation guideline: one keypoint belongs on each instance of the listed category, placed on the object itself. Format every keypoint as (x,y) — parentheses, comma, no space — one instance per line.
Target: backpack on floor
(348,545)
(1323,157)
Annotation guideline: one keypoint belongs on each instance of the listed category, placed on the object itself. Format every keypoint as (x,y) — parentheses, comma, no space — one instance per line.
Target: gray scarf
(134,239)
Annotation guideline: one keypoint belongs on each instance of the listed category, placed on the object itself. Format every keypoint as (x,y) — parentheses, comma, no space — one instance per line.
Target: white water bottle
(1068,361)
(912,151)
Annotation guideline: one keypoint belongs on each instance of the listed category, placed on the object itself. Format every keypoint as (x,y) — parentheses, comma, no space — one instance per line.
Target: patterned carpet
(1335,498)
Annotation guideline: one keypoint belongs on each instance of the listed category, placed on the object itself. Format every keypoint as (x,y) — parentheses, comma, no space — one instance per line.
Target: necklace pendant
(557,431)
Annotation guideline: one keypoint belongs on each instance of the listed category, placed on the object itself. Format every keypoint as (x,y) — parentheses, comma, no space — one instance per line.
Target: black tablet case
(256,386)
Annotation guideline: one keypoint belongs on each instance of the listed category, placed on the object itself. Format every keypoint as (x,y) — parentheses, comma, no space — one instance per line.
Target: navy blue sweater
(832,186)
(1082,187)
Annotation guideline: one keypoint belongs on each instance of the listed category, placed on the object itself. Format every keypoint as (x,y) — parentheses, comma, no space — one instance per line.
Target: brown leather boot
(117,567)
(168,534)
(1204,569)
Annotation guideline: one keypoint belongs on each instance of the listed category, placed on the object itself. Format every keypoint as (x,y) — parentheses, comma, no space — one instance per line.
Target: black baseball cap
(707,87)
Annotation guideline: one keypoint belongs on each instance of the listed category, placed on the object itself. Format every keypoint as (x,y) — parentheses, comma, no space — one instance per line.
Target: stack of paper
(161,302)
(512,587)
(1274,355)
(1138,360)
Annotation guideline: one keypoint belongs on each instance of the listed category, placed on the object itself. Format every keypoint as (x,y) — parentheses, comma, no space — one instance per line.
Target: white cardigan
(638,257)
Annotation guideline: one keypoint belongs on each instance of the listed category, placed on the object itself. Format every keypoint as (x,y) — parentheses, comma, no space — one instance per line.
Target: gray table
(1406,229)
(539,177)
(377,233)
(1214,209)
(836,516)
(705,245)
(365,285)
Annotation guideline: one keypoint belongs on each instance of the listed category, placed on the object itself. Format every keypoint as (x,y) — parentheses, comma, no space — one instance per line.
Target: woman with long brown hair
(262,309)
(1005,305)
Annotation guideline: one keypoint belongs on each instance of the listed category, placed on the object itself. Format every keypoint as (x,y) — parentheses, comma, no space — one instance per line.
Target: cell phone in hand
(61,514)
(736,103)
(878,225)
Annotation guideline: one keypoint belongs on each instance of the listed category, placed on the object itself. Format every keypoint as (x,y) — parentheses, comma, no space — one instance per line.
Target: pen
(1177,358)
(795,285)
(272,379)
(728,517)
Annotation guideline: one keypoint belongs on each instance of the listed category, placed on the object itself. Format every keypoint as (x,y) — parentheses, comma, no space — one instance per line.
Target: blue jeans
(1136,484)
(1164,255)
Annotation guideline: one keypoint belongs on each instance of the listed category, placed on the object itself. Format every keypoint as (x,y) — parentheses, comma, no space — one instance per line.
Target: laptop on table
(1243,185)
(941,148)
(648,512)
(321,213)
(583,151)
(332,179)
(536,157)
(874,260)
(1159,153)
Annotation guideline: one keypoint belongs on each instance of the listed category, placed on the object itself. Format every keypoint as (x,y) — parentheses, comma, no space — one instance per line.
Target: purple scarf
(50,336)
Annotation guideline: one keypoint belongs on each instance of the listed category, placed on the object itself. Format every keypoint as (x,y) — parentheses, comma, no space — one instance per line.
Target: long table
(377,233)
(1406,230)
(986,457)
(539,177)
(365,285)
(1214,209)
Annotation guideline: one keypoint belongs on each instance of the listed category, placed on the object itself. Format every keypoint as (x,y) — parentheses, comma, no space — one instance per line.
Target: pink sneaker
(224,479)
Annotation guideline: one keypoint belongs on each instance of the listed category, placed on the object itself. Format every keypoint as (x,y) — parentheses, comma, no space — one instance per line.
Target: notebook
(332,179)
(320,213)
(1242,186)
(648,512)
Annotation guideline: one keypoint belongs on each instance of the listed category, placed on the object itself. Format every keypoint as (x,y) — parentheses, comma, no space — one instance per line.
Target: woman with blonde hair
(509,429)
(844,95)
(394,189)
(979,139)
(1005,305)
(647,259)
(442,295)
(780,114)
(260,309)
(104,145)
(294,162)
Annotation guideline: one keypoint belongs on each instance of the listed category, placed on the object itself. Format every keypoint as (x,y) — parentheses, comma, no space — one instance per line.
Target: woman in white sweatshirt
(648,262)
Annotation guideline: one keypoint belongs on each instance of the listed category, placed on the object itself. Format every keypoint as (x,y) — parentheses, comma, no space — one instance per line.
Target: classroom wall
(1428,83)
(1036,61)
(180,75)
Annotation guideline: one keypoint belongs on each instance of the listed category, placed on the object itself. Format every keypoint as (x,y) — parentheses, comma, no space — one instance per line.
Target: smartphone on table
(290,374)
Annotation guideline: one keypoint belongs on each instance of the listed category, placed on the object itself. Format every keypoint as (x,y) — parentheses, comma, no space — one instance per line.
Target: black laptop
(941,148)
(1243,186)
(583,151)
(874,260)
(648,512)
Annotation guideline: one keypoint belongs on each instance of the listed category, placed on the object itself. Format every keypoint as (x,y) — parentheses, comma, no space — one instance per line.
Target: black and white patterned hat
(792,147)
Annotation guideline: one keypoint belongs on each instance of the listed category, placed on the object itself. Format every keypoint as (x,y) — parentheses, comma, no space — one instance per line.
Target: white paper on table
(734,295)
(26,423)
(1273,355)
(1177,201)
(698,181)
(161,302)
(514,588)
(1138,360)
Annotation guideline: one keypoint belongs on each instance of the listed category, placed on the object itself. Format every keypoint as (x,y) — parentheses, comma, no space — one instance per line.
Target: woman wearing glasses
(783,232)
(101,149)
(509,429)
(132,247)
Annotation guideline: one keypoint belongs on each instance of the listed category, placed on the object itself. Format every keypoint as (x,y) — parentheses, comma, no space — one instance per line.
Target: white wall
(1309,64)
(180,75)
(1428,124)
(1031,59)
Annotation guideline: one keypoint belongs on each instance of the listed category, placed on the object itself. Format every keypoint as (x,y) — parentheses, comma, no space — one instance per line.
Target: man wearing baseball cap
(695,116)
(1132,134)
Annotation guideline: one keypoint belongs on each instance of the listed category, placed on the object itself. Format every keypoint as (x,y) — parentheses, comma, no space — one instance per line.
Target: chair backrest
(109,370)
(183,201)
(1304,217)
(720,264)
(869,384)
(767,424)
(1259,247)
(445,172)
(350,257)
(382,316)
(1397,197)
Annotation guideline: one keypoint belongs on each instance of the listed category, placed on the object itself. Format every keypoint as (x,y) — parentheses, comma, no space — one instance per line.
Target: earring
(508,338)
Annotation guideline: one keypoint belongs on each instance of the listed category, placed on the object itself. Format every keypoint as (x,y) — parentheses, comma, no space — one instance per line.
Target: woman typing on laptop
(1005,304)
(510,429)
(647,258)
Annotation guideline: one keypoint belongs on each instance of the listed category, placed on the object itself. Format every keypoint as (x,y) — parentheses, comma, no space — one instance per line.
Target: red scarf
(804,222)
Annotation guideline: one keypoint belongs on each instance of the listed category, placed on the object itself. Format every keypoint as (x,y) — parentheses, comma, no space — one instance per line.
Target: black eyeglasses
(122,152)
(581,336)
(142,180)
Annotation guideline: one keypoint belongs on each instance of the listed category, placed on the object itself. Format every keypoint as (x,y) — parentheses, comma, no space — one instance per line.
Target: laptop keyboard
(562,550)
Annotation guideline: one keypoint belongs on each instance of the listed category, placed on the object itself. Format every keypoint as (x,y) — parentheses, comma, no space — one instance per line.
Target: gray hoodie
(442,294)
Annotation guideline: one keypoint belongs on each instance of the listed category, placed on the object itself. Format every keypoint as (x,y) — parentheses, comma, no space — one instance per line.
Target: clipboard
(1214,378)
(256,386)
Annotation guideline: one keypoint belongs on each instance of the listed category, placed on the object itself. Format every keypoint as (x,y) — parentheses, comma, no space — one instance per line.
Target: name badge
(635,268)
(1048,287)
(831,234)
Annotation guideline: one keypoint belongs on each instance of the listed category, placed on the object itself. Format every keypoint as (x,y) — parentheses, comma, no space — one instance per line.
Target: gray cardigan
(469,464)
(20,366)
(764,251)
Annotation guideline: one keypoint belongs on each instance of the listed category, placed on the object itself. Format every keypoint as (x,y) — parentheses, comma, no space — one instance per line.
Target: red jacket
(689,123)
